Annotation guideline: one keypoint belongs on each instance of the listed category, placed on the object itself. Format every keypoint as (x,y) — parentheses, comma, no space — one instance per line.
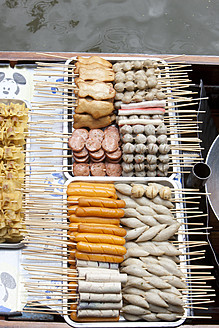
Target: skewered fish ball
(129,76)
(127,167)
(148,63)
(140,139)
(152,148)
(151,191)
(152,81)
(141,84)
(157,117)
(123,117)
(128,148)
(139,158)
(130,86)
(151,139)
(163,167)
(127,66)
(151,167)
(140,148)
(138,64)
(162,139)
(151,174)
(138,97)
(149,96)
(117,67)
(145,117)
(119,77)
(127,158)
(164,149)
(138,128)
(127,99)
(161,174)
(165,193)
(119,87)
(164,158)
(151,159)
(150,72)
(117,104)
(160,95)
(139,76)
(126,129)
(149,129)
(127,138)
(119,96)
(162,129)
(140,174)
(133,117)
(139,167)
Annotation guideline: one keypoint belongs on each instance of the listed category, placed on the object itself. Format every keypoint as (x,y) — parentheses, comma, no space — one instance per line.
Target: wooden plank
(29,56)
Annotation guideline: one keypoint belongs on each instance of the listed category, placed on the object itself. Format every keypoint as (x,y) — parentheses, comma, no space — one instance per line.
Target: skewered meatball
(117,67)
(138,128)
(117,104)
(151,167)
(128,148)
(149,96)
(151,159)
(140,139)
(148,63)
(162,129)
(140,174)
(127,66)
(164,158)
(141,84)
(126,129)
(149,129)
(119,77)
(133,117)
(139,167)
(128,174)
(129,76)
(152,81)
(160,95)
(151,139)
(127,158)
(164,149)
(151,174)
(162,139)
(122,117)
(140,148)
(127,138)
(152,148)
(127,97)
(139,158)
(157,116)
(138,97)
(150,72)
(163,167)
(119,87)
(119,96)
(127,167)
(145,117)
(138,64)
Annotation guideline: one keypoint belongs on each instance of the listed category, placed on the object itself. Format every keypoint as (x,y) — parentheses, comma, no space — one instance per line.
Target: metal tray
(68,128)
(27,147)
(122,323)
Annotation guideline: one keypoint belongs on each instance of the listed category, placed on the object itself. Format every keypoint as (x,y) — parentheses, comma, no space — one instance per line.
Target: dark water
(119,26)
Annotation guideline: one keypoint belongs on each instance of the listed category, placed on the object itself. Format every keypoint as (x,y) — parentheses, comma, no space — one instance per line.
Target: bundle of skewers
(13,121)
(122,254)
(146,99)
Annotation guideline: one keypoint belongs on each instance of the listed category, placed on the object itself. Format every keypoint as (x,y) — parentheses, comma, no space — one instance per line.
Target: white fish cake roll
(149,129)
(134,233)
(130,212)
(176,309)
(167,233)
(172,290)
(153,298)
(137,283)
(136,300)
(125,129)
(167,316)
(131,317)
(124,188)
(172,267)
(100,305)
(164,219)
(138,128)
(150,233)
(151,249)
(145,210)
(175,281)
(164,148)
(132,222)
(148,219)
(150,317)
(131,261)
(158,270)
(171,298)
(158,309)
(159,201)
(140,149)
(143,201)
(157,282)
(94,297)
(160,209)
(135,252)
(135,310)
(168,248)
(151,159)
(149,260)
(128,148)
(135,271)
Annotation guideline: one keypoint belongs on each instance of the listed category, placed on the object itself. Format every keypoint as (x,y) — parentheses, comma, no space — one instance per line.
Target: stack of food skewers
(132,235)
